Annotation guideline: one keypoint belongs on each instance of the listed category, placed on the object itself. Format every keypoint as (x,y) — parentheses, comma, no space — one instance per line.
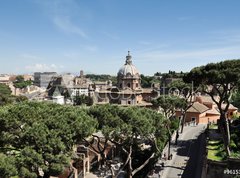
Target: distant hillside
(102,77)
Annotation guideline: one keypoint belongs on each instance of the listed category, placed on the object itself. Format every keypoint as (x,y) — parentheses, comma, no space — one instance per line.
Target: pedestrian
(164,156)
(171,156)
(162,164)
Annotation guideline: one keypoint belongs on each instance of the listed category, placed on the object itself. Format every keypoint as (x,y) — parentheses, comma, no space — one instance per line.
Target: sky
(95,35)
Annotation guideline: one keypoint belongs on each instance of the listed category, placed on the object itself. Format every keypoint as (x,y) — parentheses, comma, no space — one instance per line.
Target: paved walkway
(90,175)
(181,153)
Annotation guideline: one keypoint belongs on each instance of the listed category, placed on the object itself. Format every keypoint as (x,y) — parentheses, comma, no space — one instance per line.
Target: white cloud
(43,67)
(65,24)
(62,13)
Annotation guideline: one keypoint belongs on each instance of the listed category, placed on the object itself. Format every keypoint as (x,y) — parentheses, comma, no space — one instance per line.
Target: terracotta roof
(213,112)
(230,107)
(206,98)
(198,108)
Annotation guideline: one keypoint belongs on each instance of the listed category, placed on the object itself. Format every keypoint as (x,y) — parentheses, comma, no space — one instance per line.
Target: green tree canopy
(168,104)
(7,166)
(7,98)
(148,81)
(130,129)
(83,99)
(5,93)
(20,83)
(42,135)
(235,100)
(5,90)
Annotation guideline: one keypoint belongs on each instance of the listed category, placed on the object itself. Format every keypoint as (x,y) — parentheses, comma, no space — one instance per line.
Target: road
(188,155)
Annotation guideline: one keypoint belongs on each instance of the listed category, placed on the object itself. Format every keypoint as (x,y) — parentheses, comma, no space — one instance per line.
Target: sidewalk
(90,175)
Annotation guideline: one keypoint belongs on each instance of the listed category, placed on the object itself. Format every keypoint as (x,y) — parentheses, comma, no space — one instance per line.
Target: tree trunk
(112,172)
(169,141)
(183,121)
(224,128)
(127,160)
(177,135)
(227,138)
(169,145)
(130,168)
(143,165)
(102,159)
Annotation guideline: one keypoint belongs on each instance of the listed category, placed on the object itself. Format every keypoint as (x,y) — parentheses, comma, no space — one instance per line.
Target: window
(129,102)
(128,85)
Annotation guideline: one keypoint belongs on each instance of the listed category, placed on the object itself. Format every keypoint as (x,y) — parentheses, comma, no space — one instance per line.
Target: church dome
(128,69)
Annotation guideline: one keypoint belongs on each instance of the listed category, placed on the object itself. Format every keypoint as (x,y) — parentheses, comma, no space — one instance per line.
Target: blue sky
(95,35)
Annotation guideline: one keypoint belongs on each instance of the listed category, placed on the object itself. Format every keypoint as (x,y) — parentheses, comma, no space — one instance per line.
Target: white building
(58,99)
(4,78)
(78,90)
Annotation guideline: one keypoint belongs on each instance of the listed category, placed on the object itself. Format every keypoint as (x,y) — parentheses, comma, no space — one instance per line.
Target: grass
(235,155)
(216,150)
(213,126)
(235,152)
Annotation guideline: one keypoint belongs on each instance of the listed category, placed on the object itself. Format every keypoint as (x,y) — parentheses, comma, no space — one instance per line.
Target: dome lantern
(129,58)
(128,75)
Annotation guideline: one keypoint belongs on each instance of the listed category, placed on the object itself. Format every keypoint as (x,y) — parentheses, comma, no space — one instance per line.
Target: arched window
(128,74)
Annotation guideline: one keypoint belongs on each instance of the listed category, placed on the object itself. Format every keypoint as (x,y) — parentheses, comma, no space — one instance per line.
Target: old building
(42,79)
(82,86)
(128,90)
(204,110)
(69,86)
(4,79)
(128,76)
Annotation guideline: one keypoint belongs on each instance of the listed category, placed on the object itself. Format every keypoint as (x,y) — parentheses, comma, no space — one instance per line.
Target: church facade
(128,90)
